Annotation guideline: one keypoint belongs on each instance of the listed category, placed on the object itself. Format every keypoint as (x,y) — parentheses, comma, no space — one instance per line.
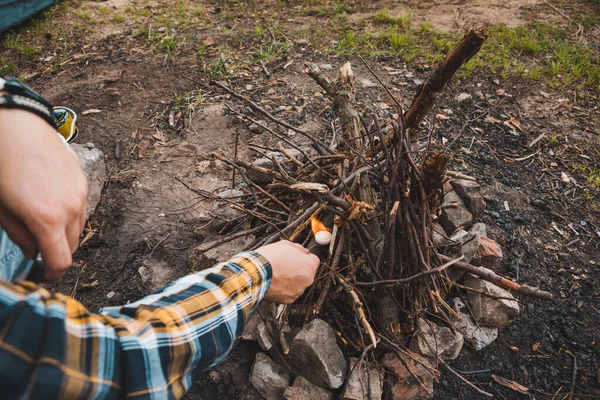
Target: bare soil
(156,151)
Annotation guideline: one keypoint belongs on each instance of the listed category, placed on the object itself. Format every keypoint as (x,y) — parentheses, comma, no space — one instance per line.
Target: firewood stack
(378,187)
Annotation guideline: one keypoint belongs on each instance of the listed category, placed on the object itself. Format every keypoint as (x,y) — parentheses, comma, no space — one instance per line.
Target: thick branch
(460,54)
(499,280)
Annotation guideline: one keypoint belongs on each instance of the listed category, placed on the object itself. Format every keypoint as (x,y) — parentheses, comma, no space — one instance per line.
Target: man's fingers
(56,255)
(300,247)
(17,232)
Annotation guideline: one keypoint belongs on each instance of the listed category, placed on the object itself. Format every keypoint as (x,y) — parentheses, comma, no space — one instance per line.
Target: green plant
(118,18)
(15,42)
(382,17)
(272,50)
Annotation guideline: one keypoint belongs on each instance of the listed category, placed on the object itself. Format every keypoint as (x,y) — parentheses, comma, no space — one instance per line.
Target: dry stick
(499,280)
(470,289)
(257,187)
(306,214)
(411,278)
(381,83)
(216,243)
(256,107)
(462,378)
(459,55)
(358,306)
(288,155)
(334,264)
(278,136)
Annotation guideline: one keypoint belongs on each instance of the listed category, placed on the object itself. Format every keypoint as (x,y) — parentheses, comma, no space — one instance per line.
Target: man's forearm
(152,348)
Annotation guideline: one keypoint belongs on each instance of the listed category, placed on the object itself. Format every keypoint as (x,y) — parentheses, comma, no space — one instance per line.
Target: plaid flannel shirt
(52,347)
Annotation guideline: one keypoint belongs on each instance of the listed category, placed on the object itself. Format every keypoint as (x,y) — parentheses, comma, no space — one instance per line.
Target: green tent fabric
(13,12)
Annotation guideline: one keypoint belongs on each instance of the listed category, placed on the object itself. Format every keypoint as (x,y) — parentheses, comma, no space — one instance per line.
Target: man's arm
(51,346)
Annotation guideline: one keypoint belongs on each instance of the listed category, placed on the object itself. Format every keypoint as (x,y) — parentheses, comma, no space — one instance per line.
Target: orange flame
(317,225)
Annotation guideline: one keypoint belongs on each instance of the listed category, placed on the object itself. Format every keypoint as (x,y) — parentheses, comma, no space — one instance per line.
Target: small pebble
(110,295)
(582,223)
(495,214)
(519,219)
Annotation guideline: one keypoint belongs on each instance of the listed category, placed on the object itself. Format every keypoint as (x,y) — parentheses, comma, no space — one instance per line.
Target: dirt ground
(160,120)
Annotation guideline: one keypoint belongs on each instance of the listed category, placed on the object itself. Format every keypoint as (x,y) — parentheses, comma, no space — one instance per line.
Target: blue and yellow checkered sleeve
(52,347)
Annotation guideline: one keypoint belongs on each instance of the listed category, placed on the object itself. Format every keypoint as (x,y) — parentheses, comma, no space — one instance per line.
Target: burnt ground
(161,120)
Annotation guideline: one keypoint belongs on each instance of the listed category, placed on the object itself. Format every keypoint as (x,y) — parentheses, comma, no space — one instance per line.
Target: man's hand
(43,191)
(294,270)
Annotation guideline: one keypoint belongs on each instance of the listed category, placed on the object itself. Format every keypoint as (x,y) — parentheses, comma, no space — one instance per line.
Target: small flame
(317,225)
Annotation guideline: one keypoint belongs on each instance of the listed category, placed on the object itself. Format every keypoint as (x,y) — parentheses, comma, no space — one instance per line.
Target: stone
(314,354)
(262,337)
(469,244)
(222,210)
(476,336)
(429,334)
(302,389)
(454,214)
(405,387)
(489,253)
(265,162)
(364,383)
(251,327)
(268,378)
(479,229)
(439,235)
(145,274)
(368,83)
(462,97)
(488,311)
(470,193)
(110,295)
(92,163)
(257,128)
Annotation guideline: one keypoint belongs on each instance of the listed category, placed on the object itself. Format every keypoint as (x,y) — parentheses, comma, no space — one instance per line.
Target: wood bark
(429,91)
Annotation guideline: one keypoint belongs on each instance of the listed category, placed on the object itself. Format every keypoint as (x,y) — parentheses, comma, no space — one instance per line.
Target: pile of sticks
(379,190)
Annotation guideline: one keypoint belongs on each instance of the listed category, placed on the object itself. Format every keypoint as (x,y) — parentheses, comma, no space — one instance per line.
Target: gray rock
(92,163)
(489,311)
(326,66)
(470,193)
(262,336)
(479,229)
(222,210)
(145,274)
(302,389)
(364,383)
(268,378)
(462,97)
(314,354)
(449,344)
(476,336)
(265,162)
(439,235)
(469,244)
(257,128)
(251,327)
(454,213)
(368,83)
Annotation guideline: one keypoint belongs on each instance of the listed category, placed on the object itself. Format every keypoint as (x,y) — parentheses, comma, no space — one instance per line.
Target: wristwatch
(18,95)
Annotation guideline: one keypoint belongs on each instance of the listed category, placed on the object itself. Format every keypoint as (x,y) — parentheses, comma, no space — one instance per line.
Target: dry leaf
(580,304)
(536,346)
(513,123)
(91,111)
(491,120)
(384,106)
(565,178)
(514,348)
(510,384)
(209,41)
(442,117)
(553,164)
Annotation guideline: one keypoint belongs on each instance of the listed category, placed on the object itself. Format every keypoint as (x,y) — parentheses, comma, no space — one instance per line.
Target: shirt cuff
(258,269)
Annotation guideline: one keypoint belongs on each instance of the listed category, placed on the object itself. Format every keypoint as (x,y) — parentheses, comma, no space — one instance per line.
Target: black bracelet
(26,103)
(21,96)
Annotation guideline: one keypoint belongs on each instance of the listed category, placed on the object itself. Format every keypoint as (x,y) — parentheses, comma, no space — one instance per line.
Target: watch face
(66,123)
